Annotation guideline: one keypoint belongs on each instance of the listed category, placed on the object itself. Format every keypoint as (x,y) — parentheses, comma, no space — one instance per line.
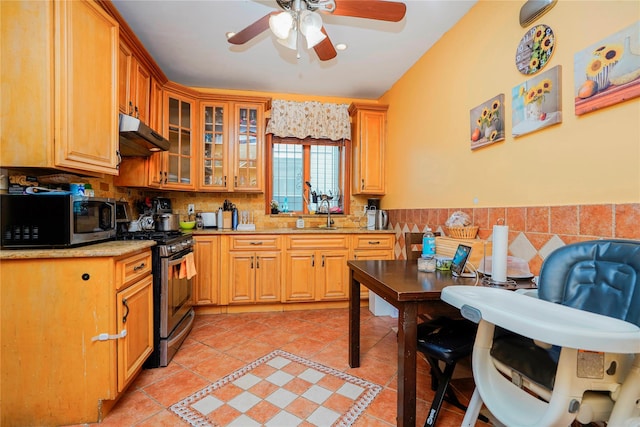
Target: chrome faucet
(323,200)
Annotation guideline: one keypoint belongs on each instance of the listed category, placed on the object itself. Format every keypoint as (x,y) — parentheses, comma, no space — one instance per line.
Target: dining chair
(571,351)
(441,339)
(413,245)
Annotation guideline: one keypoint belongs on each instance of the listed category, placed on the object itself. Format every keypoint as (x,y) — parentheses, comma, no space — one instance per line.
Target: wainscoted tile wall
(534,231)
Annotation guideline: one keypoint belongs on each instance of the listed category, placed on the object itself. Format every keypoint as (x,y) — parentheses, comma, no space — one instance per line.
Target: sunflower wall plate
(535,49)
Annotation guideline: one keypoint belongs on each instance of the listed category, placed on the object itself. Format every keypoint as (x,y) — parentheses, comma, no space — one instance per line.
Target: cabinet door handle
(313,260)
(322,261)
(235,181)
(126,313)
(257,262)
(251,262)
(165,177)
(130,108)
(363,184)
(137,112)
(139,267)
(225,180)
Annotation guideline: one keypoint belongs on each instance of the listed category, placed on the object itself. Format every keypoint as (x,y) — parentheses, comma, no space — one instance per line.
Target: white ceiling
(187,40)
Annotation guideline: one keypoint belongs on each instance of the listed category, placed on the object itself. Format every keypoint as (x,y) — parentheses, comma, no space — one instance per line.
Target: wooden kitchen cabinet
(316,268)
(368,139)
(371,247)
(252,268)
(135,315)
(134,85)
(54,312)
(206,283)
(231,144)
(215,148)
(60,99)
(179,126)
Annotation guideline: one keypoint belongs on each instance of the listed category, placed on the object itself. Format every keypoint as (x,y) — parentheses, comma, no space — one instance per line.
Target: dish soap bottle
(428,243)
(285,205)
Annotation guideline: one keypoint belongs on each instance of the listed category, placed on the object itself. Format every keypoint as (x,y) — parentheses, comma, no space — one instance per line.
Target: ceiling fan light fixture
(290,42)
(311,28)
(281,25)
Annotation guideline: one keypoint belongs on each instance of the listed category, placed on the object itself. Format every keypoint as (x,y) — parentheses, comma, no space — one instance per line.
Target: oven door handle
(177,261)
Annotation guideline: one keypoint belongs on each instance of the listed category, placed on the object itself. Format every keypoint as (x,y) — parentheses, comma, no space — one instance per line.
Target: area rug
(279,390)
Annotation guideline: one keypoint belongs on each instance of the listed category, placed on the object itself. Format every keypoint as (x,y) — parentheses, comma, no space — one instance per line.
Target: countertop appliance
(138,139)
(173,313)
(58,220)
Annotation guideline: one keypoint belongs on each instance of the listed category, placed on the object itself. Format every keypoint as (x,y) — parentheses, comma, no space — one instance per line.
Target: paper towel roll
(499,253)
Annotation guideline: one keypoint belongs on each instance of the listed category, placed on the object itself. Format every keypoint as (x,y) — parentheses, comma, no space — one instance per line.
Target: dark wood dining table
(412,293)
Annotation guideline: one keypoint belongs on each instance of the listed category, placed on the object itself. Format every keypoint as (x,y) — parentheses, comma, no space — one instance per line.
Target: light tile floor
(221,344)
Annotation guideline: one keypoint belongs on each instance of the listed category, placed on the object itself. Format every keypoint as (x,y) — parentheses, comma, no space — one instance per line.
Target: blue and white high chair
(571,352)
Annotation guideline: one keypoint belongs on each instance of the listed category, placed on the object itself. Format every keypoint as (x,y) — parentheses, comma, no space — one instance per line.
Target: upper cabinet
(232,145)
(368,133)
(178,168)
(59,106)
(134,85)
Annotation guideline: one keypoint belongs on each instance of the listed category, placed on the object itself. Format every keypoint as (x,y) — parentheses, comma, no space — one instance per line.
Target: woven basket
(468,232)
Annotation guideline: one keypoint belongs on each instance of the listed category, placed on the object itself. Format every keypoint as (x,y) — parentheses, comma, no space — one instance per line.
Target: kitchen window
(293,162)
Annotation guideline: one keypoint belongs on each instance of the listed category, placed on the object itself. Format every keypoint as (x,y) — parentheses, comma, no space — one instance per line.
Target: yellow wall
(593,158)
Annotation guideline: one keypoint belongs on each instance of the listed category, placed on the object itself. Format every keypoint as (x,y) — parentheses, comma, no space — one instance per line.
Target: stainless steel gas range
(172,291)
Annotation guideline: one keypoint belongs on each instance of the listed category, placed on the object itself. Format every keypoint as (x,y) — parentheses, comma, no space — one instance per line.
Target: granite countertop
(113,248)
(307,230)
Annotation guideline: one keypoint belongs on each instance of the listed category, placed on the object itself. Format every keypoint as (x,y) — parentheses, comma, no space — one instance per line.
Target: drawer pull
(139,267)
(255,243)
(371,242)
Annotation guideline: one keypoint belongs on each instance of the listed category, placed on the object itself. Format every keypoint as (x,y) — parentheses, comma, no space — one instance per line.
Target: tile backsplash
(534,231)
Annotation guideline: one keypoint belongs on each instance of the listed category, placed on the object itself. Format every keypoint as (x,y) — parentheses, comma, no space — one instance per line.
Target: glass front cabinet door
(248,147)
(214,174)
(180,158)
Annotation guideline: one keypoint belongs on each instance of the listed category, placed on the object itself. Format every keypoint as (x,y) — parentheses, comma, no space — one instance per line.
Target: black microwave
(55,220)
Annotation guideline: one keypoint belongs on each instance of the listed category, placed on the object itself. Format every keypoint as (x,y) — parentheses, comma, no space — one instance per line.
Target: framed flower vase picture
(537,103)
(487,122)
(608,72)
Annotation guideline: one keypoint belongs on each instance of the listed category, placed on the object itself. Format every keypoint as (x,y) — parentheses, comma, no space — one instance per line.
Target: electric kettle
(382,220)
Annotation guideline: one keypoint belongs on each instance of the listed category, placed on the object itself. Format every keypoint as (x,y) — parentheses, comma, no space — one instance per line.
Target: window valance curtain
(309,119)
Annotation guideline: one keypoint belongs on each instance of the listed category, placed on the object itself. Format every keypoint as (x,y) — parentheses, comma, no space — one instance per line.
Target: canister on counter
(427,264)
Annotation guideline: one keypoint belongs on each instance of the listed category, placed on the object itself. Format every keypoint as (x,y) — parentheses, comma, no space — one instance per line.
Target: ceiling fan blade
(325,49)
(371,9)
(252,30)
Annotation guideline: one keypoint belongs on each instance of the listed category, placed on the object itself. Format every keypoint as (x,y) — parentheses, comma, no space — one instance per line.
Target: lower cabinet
(63,342)
(316,268)
(134,315)
(372,247)
(206,283)
(286,268)
(252,268)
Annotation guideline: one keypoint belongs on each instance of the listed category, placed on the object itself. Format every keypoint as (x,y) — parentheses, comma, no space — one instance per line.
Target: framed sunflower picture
(608,72)
(537,103)
(487,122)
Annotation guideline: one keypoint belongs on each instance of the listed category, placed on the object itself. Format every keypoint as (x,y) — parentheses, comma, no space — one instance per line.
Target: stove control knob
(172,249)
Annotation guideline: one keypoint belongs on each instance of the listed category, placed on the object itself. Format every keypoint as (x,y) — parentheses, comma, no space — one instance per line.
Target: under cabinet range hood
(138,139)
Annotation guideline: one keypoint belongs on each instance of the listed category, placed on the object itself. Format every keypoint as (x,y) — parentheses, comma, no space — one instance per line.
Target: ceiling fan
(302,17)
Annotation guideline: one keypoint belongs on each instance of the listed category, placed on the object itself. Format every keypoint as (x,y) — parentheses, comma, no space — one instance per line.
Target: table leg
(354,321)
(407,343)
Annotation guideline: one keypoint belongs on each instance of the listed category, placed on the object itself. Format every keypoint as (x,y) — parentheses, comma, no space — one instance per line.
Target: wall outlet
(191,209)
